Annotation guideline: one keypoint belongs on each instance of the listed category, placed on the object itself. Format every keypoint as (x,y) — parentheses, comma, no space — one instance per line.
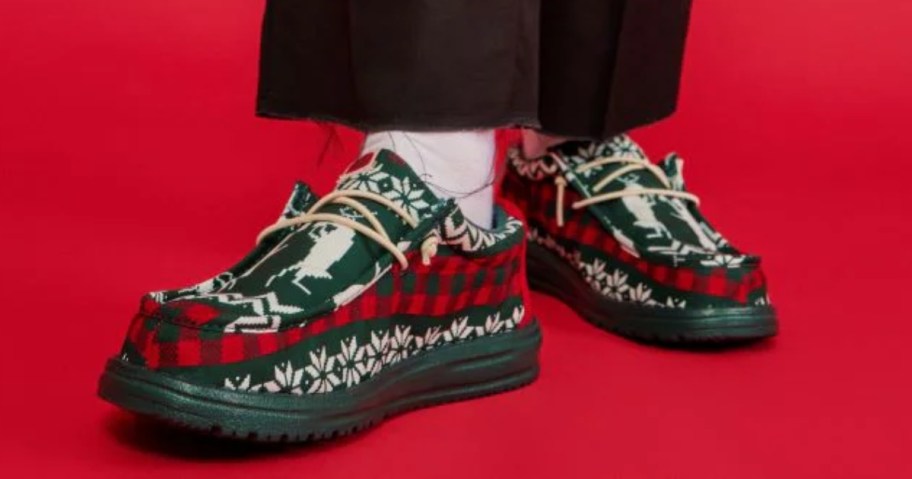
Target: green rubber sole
(456,372)
(551,275)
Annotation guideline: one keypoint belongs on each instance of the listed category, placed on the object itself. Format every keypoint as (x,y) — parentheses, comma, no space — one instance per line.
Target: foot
(376,299)
(623,242)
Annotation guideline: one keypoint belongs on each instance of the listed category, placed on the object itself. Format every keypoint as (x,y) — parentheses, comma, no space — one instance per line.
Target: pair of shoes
(379,297)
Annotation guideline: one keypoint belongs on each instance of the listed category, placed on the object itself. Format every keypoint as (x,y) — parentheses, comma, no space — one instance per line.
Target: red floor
(130,160)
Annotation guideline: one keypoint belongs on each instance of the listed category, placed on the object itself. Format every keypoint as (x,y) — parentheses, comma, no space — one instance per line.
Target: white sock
(458,164)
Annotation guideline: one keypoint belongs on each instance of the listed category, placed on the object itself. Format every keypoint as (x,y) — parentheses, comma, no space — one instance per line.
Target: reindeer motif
(682,213)
(640,206)
(330,245)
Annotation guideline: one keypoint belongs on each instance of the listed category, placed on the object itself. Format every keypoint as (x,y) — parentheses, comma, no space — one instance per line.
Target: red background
(130,160)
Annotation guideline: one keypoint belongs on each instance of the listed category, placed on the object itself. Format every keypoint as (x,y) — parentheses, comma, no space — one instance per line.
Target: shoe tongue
(650,222)
(577,153)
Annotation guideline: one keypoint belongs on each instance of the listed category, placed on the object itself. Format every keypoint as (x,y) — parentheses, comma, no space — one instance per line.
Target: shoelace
(630,164)
(375,231)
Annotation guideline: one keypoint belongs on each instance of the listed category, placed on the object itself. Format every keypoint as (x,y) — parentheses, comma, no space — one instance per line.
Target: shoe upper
(631,228)
(342,287)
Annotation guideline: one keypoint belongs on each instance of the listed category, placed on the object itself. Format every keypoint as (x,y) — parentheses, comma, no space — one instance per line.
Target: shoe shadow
(159,438)
(744,345)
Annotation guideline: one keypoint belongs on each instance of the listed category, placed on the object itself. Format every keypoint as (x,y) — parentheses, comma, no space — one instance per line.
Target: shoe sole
(476,368)
(550,274)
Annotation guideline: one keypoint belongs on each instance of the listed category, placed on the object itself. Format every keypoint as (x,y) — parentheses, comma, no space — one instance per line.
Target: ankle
(454,165)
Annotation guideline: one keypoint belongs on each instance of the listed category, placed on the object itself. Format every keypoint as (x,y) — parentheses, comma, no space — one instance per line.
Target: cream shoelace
(630,164)
(375,231)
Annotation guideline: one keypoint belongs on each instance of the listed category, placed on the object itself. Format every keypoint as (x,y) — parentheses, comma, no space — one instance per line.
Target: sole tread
(219,431)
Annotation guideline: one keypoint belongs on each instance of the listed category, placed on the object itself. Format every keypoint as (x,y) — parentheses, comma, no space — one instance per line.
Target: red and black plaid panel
(451,283)
(538,199)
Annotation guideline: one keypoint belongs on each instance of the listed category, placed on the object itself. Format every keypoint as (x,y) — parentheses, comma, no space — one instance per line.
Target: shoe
(621,241)
(376,299)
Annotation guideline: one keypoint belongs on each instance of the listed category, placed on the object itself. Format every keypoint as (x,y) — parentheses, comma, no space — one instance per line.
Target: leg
(416,66)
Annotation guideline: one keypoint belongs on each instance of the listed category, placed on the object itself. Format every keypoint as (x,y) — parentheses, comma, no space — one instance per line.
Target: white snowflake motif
(588,152)
(320,370)
(493,325)
(407,196)
(287,379)
(399,345)
(623,145)
(240,384)
(374,353)
(369,181)
(458,331)
(615,285)
(350,359)
(724,260)
(595,273)
(640,294)
(585,155)
(429,340)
